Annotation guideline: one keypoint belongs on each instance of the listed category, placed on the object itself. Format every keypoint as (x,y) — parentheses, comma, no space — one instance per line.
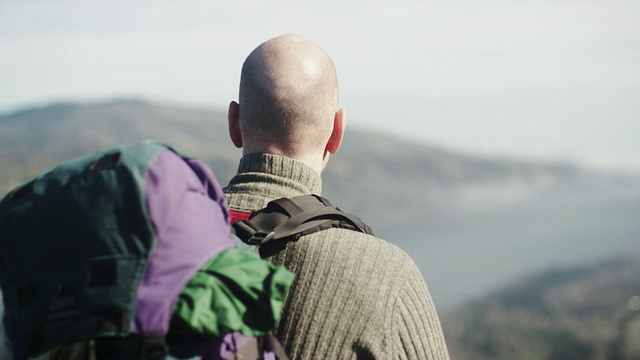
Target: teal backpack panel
(77,239)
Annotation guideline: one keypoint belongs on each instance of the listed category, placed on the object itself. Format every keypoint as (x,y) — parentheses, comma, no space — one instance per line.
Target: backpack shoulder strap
(291,218)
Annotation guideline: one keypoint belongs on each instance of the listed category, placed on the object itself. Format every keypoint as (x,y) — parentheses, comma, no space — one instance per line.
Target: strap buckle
(250,235)
(260,237)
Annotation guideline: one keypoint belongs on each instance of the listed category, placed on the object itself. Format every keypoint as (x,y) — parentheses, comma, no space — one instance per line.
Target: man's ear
(339,123)
(233,116)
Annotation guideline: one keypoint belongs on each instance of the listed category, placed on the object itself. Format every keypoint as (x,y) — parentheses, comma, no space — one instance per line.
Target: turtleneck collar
(265,177)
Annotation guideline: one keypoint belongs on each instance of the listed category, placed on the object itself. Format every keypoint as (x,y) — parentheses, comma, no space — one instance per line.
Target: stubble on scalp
(288,94)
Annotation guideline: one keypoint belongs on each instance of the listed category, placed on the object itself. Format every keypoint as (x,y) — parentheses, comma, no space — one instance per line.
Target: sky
(539,79)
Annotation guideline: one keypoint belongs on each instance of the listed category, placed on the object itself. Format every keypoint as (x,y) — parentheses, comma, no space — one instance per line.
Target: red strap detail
(235,216)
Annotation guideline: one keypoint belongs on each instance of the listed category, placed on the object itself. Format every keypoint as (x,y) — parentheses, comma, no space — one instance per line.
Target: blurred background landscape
(524,259)
(497,142)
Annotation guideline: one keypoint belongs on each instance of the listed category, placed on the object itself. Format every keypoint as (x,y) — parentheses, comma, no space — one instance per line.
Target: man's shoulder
(350,243)
(351,257)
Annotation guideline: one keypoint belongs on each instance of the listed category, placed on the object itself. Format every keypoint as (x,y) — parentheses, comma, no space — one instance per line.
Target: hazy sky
(536,78)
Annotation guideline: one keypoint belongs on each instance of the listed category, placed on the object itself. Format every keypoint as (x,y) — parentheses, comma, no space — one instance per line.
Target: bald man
(355,295)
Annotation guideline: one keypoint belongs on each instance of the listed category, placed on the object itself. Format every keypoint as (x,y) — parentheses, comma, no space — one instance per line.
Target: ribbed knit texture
(355,296)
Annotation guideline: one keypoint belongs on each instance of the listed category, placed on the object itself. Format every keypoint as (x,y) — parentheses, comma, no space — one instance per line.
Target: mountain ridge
(453,212)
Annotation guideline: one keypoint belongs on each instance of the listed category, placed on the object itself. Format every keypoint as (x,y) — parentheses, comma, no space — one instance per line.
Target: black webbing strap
(156,348)
(290,218)
(147,347)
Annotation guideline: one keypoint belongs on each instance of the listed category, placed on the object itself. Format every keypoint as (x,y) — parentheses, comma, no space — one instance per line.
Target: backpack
(131,247)
(288,219)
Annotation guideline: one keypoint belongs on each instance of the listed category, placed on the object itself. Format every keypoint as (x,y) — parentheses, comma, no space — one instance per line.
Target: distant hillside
(32,140)
(589,312)
(471,223)
(371,172)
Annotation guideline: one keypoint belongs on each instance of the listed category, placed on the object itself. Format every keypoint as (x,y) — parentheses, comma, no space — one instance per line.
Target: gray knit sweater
(355,296)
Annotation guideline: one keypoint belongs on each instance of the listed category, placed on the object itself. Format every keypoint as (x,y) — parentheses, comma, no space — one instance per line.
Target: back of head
(288,97)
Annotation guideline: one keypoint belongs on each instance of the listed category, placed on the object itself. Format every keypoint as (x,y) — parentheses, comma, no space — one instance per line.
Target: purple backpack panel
(191,229)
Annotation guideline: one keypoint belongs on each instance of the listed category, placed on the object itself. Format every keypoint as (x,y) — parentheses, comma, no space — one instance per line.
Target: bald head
(288,97)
